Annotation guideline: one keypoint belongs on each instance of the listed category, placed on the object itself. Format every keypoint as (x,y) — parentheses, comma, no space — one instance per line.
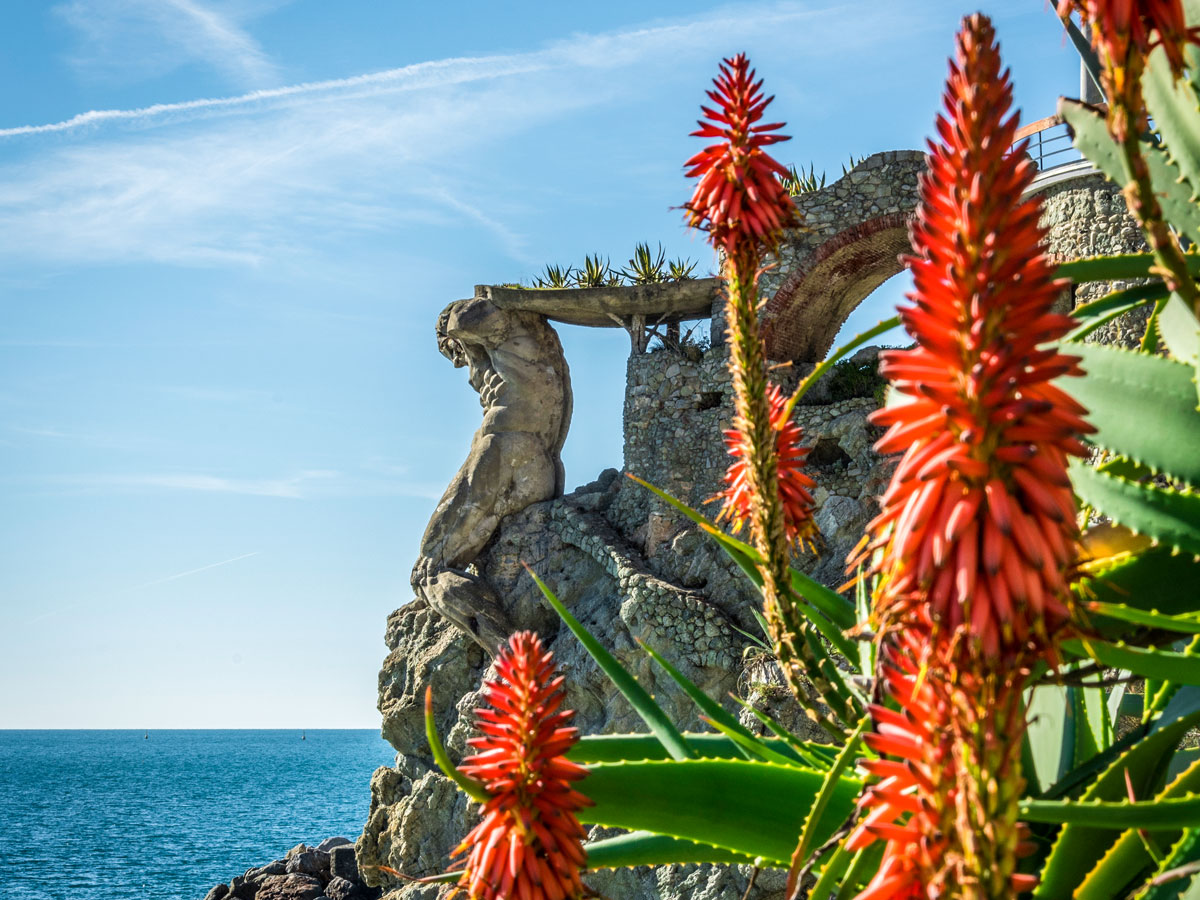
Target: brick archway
(801,321)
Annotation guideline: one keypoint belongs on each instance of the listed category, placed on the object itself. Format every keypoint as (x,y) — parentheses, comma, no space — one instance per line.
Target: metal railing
(1049,143)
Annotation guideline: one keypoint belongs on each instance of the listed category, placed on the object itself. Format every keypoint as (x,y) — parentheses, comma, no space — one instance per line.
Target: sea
(166,815)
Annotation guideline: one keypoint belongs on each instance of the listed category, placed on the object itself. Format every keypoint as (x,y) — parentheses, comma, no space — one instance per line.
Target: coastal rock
(299,869)
(290,887)
(243,889)
(342,889)
(342,862)
(278,867)
(307,861)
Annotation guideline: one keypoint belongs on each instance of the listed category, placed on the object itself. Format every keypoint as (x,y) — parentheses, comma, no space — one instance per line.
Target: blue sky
(226,230)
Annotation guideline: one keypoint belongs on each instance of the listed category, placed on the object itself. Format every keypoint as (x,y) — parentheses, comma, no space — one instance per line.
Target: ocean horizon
(110,813)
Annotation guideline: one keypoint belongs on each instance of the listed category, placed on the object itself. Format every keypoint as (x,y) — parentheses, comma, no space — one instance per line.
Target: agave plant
(681,269)
(854,161)
(1107,791)
(797,182)
(647,266)
(555,277)
(595,272)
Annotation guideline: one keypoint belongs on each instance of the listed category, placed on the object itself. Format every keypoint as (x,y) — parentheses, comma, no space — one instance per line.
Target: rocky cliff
(628,568)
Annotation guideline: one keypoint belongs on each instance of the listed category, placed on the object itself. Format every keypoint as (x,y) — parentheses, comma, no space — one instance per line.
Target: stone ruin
(625,564)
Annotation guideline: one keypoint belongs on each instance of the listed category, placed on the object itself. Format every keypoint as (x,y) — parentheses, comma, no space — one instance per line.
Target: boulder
(309,861)
(220,892)
(290,887)
(278,867)
(343,863)
(329,843)
(242,888)
(343,889)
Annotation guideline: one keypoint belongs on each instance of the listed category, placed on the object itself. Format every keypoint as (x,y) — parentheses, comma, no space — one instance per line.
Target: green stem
(752,418)
(1139,193)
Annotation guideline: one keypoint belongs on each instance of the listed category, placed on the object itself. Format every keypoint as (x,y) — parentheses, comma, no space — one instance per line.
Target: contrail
(223,562)
(455,70)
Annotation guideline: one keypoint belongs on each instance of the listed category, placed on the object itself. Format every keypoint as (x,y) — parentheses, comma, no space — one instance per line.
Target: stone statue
(517,365)
(503,336)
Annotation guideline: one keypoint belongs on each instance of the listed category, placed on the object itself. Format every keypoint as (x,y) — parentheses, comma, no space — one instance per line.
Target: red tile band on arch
(802,319)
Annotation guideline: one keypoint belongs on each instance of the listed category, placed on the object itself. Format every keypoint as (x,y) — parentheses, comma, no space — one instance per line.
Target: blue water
(110,815)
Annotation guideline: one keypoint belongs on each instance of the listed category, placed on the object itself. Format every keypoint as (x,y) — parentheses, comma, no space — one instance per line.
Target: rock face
(629,567)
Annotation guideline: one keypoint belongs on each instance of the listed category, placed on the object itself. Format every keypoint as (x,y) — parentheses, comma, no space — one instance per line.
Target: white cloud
(239,179)
(140,38)
(294,487)
(304,485)
(197,570)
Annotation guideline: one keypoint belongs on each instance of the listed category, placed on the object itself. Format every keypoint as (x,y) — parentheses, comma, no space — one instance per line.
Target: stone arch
(806,313)
(853,235)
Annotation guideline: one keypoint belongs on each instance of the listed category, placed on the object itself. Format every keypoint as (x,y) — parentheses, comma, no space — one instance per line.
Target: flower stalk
(1123,35)
(528,843)
(977,537)
(740,202)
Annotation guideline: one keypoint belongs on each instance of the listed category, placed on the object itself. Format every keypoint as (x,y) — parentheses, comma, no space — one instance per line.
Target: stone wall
(1087,216)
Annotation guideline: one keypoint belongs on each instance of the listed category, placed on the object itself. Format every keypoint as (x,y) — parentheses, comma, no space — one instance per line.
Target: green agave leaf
(1152,815)
(1119,267)
(1089,728)
(843,698)
(1095,705)
(847,872)
(1170,881)
(1143,407)
(815,815)
(1100,312)
(1149,662)
(604,748)
(866,862)
(710,707)
(1145,756)
(644,848)
(1151,337)
(819,756)
(837,864)
(468,785)
(831,605)
(1129,858)
(1155,579)
(1181,332)
(639,699)
(1093,140)
(751,748)
(839,611)
(1185,623)
(755,808)
(1167,516)
(1175,109)
(1048,752)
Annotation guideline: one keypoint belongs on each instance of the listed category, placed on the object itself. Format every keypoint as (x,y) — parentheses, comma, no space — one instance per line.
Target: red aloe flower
(950,777)
(739,196)
(1119,26)
(905,805)
(978,529)
(794,485)
(529,844)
